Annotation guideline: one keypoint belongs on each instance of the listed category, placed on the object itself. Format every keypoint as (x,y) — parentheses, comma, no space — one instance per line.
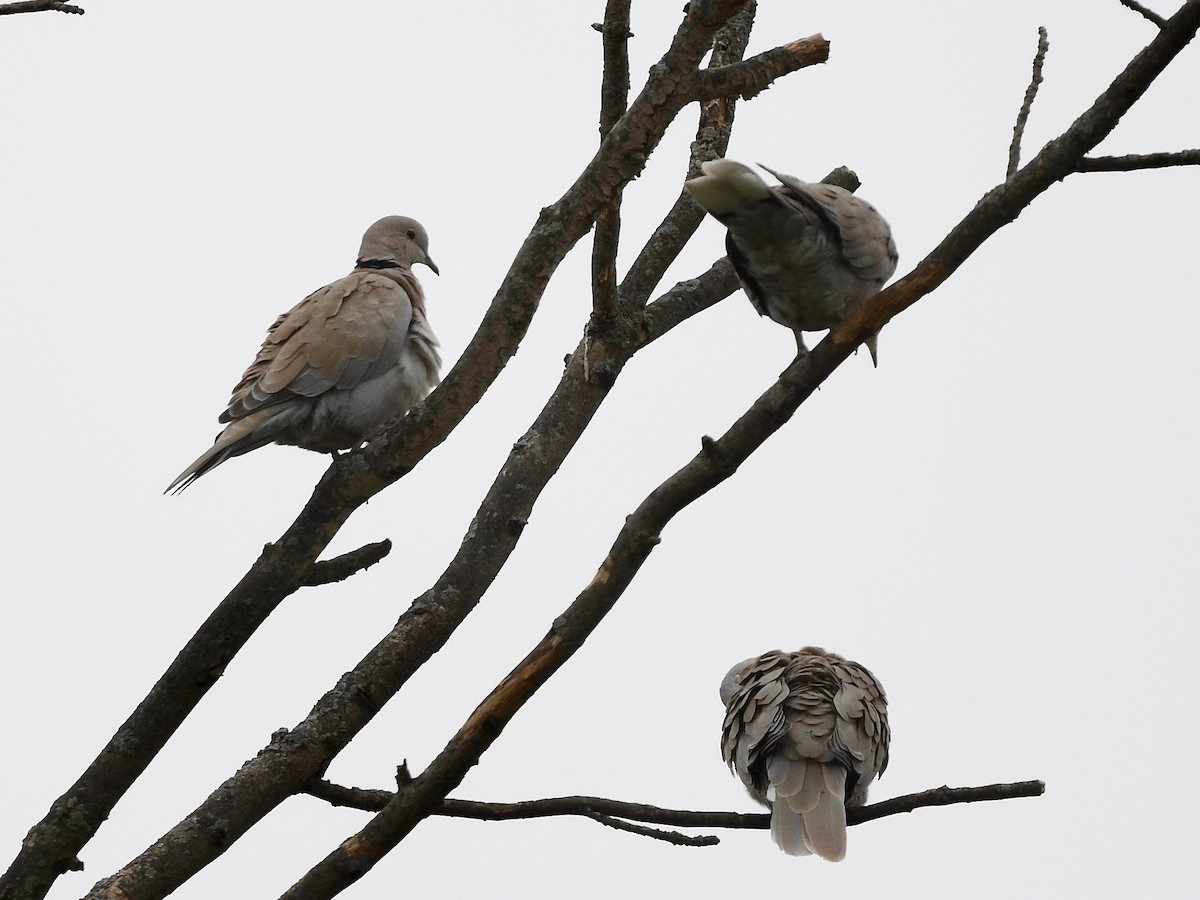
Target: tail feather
(786,776)
(240,436)
(825,824)
(725,186)
(808,812)
(787,830)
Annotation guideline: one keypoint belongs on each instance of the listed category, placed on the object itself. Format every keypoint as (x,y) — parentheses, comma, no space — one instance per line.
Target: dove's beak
(428,260)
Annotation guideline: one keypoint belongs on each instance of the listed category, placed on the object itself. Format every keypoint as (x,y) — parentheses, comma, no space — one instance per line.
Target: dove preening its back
(806,732)
(807,254)
(342,363)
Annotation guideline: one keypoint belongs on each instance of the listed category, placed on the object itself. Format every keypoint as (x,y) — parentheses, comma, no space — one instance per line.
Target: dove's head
(733,680)
(397,239)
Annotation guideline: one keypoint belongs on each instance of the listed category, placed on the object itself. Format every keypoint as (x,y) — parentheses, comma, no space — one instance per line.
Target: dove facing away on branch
(807,254)
(806,732)
(342,363)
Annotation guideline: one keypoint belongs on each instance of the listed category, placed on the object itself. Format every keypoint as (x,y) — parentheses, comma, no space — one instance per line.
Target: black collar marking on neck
(377,264)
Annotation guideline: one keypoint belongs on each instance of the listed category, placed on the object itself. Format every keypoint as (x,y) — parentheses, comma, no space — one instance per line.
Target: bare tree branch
(719,459)
(354,798)
(27,6)
(578,806)
(1014,149)
(1003,203)
(1134,162)
(751,77)
(340,568)
(595,807)
(712,140)
(944,796)
(52,845)
(614,99)
(670,837)
(688,298)
(295,757)
(1138,8)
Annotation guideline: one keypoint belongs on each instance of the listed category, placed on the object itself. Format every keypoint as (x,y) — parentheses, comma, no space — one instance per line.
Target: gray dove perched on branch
(807,254)
(342,363)
(806,732)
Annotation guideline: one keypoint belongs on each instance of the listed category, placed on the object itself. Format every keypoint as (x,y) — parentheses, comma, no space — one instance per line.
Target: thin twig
(1136,161)
(27,6)
(670,837)
(944,796)
(1148,14)
(369,799)
(326,571)
(1014,149)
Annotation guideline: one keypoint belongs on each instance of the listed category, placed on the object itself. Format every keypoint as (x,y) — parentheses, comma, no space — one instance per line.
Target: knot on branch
(612,31)
(712,451)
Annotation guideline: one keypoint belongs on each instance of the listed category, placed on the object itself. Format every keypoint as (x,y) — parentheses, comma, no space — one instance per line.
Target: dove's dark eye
(412,235)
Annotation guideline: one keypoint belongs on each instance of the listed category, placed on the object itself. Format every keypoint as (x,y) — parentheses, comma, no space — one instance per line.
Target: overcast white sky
(1000,521)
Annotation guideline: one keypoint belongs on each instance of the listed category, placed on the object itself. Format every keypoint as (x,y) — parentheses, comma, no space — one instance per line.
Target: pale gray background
(1000,521)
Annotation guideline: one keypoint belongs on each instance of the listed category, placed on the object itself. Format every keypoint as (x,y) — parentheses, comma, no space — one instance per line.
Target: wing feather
(337,337)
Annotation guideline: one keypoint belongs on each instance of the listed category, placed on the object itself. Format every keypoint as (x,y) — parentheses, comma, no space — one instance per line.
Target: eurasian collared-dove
(806,732)
(807,254)
(342,363)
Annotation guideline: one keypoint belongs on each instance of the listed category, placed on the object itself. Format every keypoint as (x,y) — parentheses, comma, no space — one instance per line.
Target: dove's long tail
(808,809)
(725,186)
(240,436)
